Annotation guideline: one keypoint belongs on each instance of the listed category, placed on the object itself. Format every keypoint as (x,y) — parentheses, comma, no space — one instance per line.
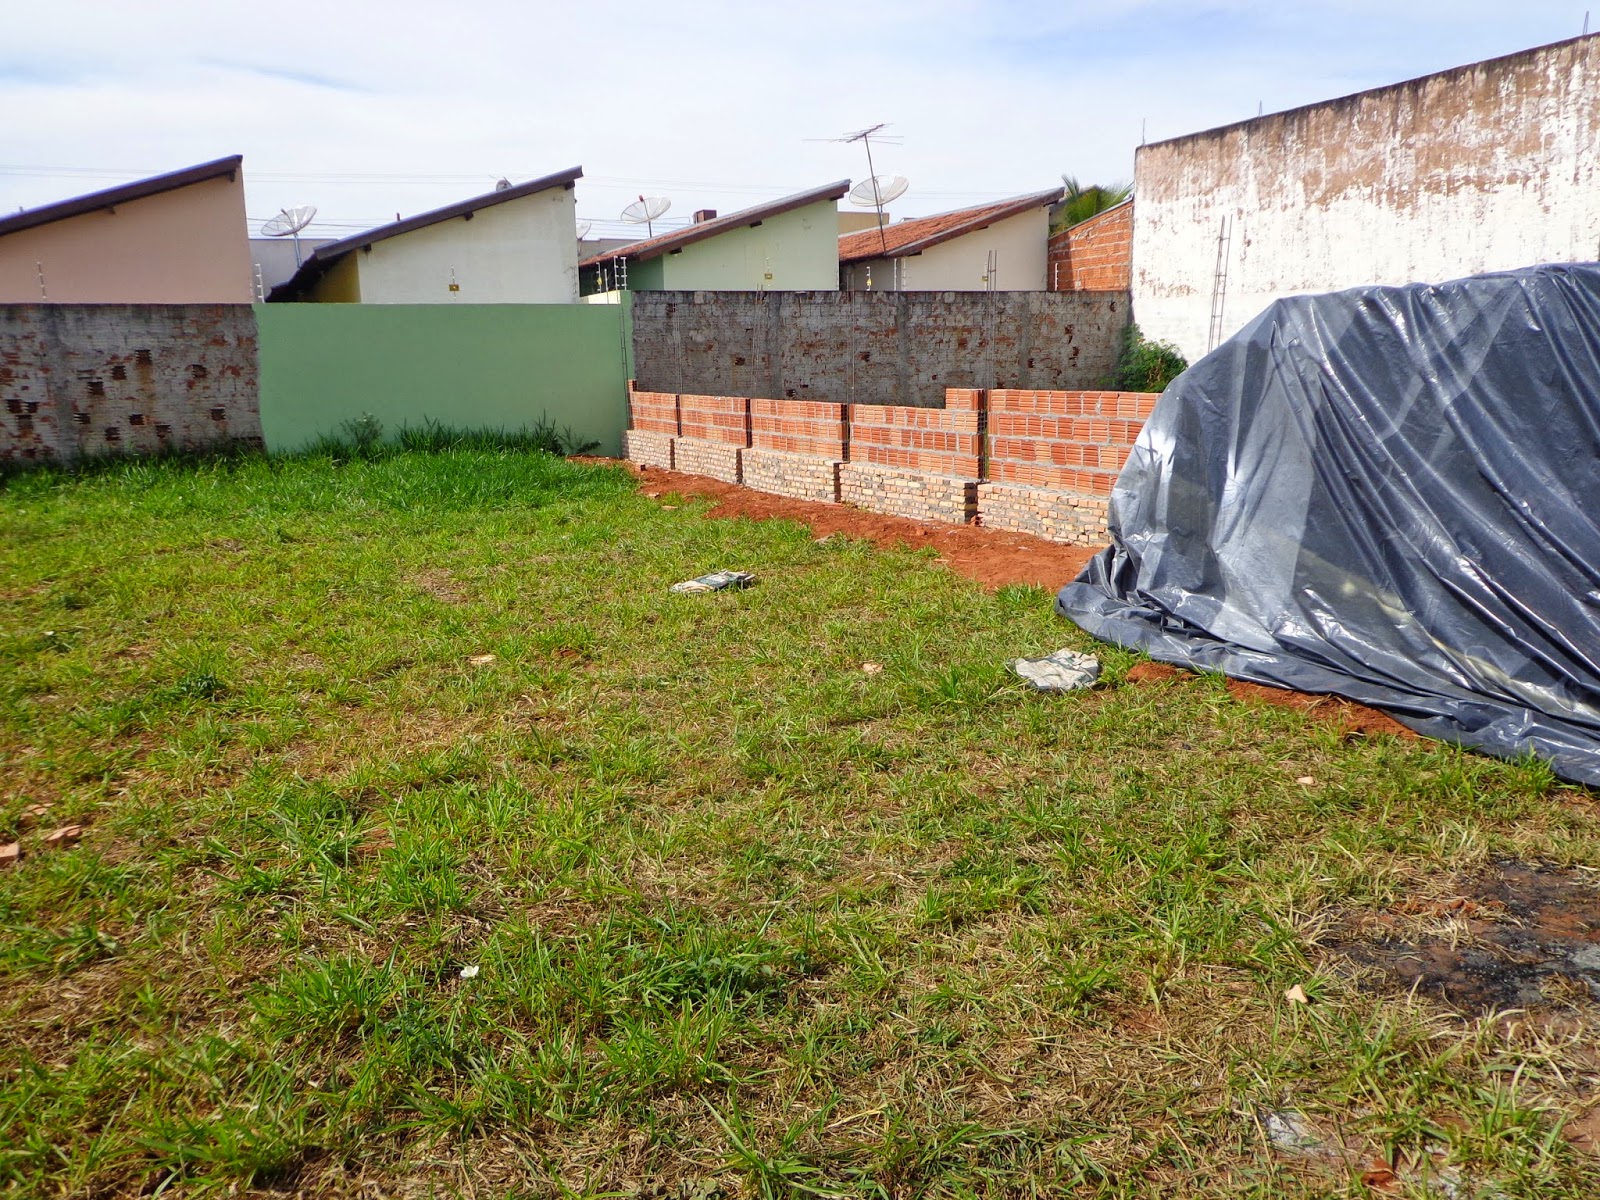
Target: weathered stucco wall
(1481,168)
(873,347)
(81,380)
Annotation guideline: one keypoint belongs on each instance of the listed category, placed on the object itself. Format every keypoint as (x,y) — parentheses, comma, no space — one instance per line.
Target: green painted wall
(472,366)
(799,249)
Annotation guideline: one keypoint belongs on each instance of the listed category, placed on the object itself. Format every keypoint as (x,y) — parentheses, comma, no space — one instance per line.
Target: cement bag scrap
(1388,494)
(717,581)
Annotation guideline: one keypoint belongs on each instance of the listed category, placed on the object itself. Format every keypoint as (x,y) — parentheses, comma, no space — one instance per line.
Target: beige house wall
(187,246)
(523,251)
(1020,245)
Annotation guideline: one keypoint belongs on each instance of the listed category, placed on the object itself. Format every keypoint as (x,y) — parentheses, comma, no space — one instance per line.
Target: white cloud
(368,109)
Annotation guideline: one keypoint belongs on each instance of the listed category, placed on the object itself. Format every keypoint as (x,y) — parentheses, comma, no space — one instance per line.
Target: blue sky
(369,109)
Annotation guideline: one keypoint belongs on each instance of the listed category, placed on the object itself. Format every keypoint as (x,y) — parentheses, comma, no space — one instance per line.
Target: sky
(368,110)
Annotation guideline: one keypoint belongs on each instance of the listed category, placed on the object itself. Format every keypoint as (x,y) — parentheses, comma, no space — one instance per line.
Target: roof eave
(125,193)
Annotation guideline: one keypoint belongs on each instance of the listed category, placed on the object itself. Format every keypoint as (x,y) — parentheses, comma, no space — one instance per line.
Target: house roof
(122,194)
(322,259)
(917,234)
(679,238)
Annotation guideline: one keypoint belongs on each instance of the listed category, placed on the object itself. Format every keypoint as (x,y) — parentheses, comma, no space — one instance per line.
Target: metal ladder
(1219,285)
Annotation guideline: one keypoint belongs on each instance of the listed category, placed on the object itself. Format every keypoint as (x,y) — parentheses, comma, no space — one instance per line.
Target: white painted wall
(1021,245)
(1482,168)
(522,251)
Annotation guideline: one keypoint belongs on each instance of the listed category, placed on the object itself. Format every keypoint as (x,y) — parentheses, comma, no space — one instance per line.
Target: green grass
(746,920)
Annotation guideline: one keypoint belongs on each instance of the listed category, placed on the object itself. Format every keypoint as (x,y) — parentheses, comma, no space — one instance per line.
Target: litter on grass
(715,582)
(1063,671)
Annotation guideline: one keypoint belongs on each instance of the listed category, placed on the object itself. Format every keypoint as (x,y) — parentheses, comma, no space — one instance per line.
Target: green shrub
(1146,366)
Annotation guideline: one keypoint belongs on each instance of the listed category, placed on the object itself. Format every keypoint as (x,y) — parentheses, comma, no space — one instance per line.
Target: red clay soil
(991,557)
(1353,718)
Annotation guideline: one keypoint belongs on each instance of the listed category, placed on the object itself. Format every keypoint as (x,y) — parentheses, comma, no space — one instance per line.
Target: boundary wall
(1039,462)
(88,380)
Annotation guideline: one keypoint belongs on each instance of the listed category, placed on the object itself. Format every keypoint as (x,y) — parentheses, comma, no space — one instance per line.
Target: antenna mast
(864,136)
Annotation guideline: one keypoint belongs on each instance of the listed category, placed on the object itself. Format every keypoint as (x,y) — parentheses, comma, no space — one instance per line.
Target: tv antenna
(289,223)
(645,210)
(865,136)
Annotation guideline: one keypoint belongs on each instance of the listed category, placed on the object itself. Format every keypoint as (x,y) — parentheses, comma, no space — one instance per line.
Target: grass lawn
(670,897)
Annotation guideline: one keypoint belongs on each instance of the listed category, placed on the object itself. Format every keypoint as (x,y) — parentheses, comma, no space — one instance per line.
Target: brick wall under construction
(1031,461)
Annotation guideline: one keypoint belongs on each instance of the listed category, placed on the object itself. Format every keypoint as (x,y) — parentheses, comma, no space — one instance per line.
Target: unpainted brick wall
(929,441)
(721,419)
(873,347)
(1094,255)
(652,412)
(79,380)
(799,427)
(1074,441)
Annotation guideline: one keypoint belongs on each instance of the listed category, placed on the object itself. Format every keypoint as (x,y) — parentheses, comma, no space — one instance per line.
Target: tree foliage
(1080,202)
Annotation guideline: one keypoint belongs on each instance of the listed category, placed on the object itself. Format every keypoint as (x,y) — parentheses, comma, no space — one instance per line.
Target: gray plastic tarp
(1387,494)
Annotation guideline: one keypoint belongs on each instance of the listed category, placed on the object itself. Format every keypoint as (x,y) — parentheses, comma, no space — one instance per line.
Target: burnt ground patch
(1515,935)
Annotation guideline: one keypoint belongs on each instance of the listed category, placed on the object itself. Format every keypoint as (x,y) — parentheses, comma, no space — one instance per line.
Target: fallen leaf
(9,854)
(872,668)
(67,835)
(1297,995)
(481,660)
(1381,1179)
(1305,781)
(668,507)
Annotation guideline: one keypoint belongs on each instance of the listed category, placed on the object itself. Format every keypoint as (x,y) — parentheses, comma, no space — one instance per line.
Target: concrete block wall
(1040,462)
(873,347)
(1094,255)
(80,380)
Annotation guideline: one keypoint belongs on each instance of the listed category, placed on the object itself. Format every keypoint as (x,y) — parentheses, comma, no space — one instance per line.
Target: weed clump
(1146,366)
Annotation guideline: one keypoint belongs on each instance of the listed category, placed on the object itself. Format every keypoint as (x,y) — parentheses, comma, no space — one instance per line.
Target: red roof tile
(918,233)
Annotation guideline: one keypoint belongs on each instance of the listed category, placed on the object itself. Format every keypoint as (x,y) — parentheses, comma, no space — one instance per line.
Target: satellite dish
(289,223)
(583,229)
(644,210)
(502,185)
(878,191)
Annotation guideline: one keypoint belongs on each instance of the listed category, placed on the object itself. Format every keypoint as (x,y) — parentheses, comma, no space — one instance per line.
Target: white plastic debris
(1063,671)
(716,582)
(1288,1130)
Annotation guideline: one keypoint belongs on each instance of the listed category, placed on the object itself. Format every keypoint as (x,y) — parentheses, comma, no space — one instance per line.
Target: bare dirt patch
(1516,935)
(1353,718)
(991,557)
